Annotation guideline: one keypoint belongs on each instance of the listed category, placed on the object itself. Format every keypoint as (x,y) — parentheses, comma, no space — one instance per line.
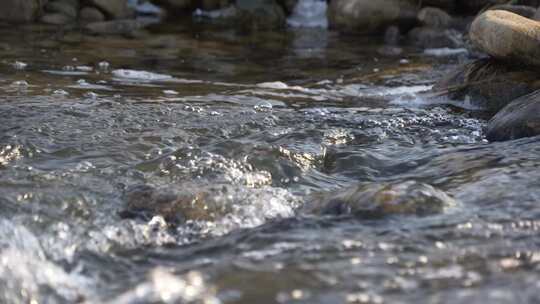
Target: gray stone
(368,16)
(537,15)
(19,11)
(91,14)
(507,36)
(522,10)
(434,17)
(521,118)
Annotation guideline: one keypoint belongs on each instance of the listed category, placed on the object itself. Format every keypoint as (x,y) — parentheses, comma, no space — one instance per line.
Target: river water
(263,125)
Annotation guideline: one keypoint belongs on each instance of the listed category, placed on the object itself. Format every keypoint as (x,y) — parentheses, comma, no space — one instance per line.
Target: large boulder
(368,16)
(488,84)
(507,36)
(381,199)
(20,11)
(522,10)
(521,118)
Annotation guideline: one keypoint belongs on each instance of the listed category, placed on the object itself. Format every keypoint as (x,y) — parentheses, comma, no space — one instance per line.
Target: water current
(259,127)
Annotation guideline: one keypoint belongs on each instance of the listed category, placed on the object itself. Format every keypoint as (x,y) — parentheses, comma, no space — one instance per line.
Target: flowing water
(261,124)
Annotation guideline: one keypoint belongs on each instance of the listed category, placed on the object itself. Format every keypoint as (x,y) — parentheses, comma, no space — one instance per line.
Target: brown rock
(507,36)
(56,19)
(381,199)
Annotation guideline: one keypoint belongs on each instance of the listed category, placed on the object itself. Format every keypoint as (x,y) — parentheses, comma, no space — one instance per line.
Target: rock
(520,118)
(143,201)
(448,5)
(56,19)
(434,17)
(213,4)
(488,84)
(522,10)
(62,7)
(116,9)
(392,35)
(507,36)
(91,14)
(428,37)
(114,27)
(381,199)
(260,14)
(19,11)
(368,16)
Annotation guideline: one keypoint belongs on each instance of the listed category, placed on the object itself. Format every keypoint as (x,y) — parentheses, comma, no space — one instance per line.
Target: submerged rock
(521,118)
(260,14)
(507,36)
(376,200)
(488,84)
(146,202)
(368,16)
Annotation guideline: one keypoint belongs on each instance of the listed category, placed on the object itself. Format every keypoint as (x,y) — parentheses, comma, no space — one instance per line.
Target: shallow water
(262,123)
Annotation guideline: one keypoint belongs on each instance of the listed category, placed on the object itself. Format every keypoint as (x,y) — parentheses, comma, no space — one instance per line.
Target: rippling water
(259,126)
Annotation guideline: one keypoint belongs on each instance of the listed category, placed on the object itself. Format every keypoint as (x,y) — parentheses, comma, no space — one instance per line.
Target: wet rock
(522,10)
(91,14)
(520,118)
(488,84)
(429,37)
(213,4)
(115,27)
(56,19)
(260,14)
(62,7)
(507,36)
(381,199)
(289,5)
(143,201)
(19,11)
(367,16)
(434,17)
(116,9)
